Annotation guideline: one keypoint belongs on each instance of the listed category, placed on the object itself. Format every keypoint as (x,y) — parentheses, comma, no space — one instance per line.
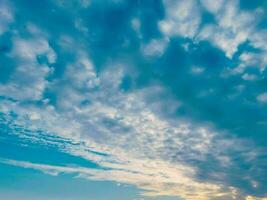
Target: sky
(133,99)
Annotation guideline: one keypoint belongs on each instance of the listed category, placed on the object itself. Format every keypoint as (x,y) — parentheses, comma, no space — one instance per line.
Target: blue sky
(133,100)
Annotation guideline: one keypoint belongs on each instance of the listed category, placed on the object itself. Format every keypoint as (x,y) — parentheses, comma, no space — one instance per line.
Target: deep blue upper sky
(133,99)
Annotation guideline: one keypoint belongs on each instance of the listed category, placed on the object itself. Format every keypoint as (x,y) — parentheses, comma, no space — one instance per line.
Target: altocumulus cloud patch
(157,99)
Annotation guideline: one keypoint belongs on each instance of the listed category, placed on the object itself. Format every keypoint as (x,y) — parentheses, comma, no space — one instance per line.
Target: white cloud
(155,47)
(143,146)
(28,79)
(79,24)
(152,176)
(258,39)
(262,98)
(6,16)
(255,60)
(213,6)
(259,59)
(197,70)
(228,33)
(28,49)
(182,18)
(136,25)
(249,77)
(82,73)
(48,169)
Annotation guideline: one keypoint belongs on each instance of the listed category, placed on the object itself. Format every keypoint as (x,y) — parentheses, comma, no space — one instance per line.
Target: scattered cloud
(155,47)
(6,15)
(227,33)
(182,18)
(28,81)
(249,77)
(262,97)
(69,87)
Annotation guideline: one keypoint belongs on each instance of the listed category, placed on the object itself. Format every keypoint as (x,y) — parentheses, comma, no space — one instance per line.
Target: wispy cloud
(143,148)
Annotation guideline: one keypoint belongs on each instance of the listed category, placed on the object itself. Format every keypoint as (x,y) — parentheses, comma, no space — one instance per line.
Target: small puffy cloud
(6,16)
(213,6)
(155,47)
(197,70)
(136,24)
(249,77)
(79,24)
(258,39)
(255,60)
(82,74)
(262,98)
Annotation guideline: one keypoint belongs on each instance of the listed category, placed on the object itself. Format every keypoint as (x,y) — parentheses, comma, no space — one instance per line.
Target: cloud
(262,98)
(28,81)
(82,74)
(149,177)
(139,136)
(197,70)
(255,59)
(227,34)
(185,19)
(249,77)
(155,47)
(135,23)
(141,145)
(6,15)
(182,18)
(213,6)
